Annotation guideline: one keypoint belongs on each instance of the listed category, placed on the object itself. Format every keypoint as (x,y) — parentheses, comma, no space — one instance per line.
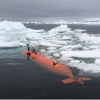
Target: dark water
(21,78)
(41,26)
(91,29)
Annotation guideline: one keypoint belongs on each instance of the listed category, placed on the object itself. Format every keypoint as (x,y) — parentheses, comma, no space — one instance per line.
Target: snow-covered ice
(12,34)
(60,29)
(97,62)
(81,54)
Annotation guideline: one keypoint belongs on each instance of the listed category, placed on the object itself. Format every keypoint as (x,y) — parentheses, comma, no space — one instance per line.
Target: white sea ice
(56,55)
(42,50)
(46,43)
(10,44)
(22,44)
(60,29)
(15,34)
(79,30)
(10,32)
(78,46)
(59,42)
(51,51)
(97,62)
(81,54)
(91,68)
(65,58)
(93,47)
(86,37)
(34,35)
(66,38)
(51,48)
(95,21)
(73,62)
(84,48)
(35,31)
(65,47)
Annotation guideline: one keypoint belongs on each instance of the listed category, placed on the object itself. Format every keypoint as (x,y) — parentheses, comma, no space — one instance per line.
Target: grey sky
(49,8)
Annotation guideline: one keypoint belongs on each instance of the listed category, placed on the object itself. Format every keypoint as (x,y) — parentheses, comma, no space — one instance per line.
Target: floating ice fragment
(81,54)
(56,55)
(42,50)
(73,62)
(10,44)
(78,46)
(60,29)
(66,38)
(51,48)
(97,62)
(10,32)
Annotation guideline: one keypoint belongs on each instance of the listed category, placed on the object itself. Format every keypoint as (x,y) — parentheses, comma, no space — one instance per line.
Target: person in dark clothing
(33,50)
(55,64)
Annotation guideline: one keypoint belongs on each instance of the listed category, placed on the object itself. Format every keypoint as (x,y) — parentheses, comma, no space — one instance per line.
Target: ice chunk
(60,29)
(93,47)
(74,62)
(42,50)
(79,30)
(51,51)
(10,44)
(35,31)
(78,46)
(65,59)
(92,68)
(81,54)
(45,43)
(22,44)
(97,62)
(56,55)
(48,44)
(86,37)
(66,47)
(59,42)
(85,48)
(51,48)
(34,34)
(10,32)
(66,38)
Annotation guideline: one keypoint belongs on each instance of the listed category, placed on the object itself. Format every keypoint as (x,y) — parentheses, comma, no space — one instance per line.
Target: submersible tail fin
(69,80)
(79,79)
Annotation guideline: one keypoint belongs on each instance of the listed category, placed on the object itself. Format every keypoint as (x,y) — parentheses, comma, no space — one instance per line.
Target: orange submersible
(50,65)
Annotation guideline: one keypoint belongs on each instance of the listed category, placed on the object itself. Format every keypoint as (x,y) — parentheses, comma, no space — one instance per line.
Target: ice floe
(97,62)
(60,29)
(10,32)
(81,54)
(66,38)
(56,55)
(10,44)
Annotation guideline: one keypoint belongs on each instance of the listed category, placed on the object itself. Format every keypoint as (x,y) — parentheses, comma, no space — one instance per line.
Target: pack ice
(65,45)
